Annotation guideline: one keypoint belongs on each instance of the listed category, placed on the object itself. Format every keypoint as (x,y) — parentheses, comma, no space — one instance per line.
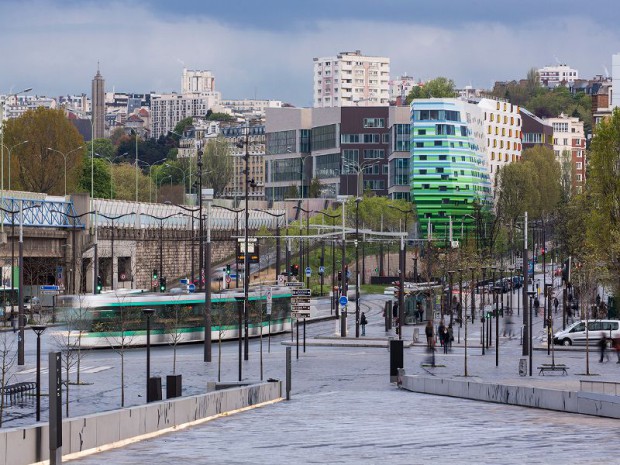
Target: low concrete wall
(602,387)
(92,433)
(586,403)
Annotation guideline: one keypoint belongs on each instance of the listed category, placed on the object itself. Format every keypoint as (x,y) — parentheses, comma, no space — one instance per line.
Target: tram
(116,318)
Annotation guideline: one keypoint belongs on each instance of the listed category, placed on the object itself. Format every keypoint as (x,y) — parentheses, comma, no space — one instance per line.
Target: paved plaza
(343,408)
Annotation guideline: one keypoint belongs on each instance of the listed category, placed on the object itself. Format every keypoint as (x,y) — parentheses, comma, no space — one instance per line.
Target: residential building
(98,106)
(569,146)
(236,136)
(535,131)
(562,74)
(168,109)
(399,88)
(197,82)
(247,109)
(351,79)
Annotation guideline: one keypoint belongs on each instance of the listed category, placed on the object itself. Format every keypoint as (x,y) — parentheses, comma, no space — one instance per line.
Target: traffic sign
(308,272)
(227,279)
(191,288)
(281,280)
(49,288)
(321,270)
(302,292)
(294,284)
(270,296)
(343,300)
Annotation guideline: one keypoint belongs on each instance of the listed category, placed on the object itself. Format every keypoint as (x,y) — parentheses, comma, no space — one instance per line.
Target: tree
(181,126)
(603,230)
(174,320)
(314,191)
(99,176)
(546,178)
(217,165)
(219,116)
(125,183)
(38,168)
(435,88)
(8,356)
(102,147)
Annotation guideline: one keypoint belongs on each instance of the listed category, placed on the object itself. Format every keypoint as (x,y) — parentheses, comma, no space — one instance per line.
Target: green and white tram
(116,318)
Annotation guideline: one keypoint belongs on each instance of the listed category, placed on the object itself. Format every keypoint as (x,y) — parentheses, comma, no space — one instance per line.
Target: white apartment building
(197,82)
(168,109)
(502,133)
(569,146)
(351,79)
(551,76)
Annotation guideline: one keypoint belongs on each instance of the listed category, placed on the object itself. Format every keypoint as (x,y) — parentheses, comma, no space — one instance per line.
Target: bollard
(288,373)
(396,358)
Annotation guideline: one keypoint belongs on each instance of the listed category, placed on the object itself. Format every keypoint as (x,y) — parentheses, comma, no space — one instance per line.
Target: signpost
(50,290)
(343,315)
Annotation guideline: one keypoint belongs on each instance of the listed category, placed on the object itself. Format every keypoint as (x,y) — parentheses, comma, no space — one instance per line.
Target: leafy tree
(217,165)
(118,134)
(125,184)
(546,179)
(314,191)
(38,168)
(181,126)
(292,192)
(219,116)
(437,88)
(103,147)
(603,231)
(100,177)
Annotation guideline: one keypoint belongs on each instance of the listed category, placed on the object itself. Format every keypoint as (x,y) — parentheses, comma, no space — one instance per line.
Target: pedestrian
(602,343)
(556,304)
(536,305)
(615,343)
(450,337)
(420,312)
(446,339)
(569,315)
(508,324)
(429,334)
(363,322)
(395,310)
(441,328)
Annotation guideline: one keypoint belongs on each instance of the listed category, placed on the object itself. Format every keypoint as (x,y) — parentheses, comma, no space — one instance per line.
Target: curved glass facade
(448,170)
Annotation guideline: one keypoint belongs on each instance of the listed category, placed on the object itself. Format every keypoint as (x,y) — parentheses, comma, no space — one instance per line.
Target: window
(324,137)
(349,138)
(372,138)
(374,122)
(443,157)
(422,157)
(374,153)
(438,143)
(419,145)
(421,132)
(422,171)
(280,142)
(445,130)
(327,166)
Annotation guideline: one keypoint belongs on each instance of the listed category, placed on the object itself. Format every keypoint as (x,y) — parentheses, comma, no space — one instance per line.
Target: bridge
(62,238)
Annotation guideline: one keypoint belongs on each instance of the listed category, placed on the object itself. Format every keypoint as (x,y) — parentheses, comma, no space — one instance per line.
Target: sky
(265,49)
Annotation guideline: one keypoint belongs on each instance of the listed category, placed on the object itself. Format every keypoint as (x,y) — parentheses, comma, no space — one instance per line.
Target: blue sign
(321,270)
(308,272)
(191,288)
(50,288)
(343,300)
(184,281)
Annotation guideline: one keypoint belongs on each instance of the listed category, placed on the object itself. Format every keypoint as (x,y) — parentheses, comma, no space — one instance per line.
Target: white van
(576,333)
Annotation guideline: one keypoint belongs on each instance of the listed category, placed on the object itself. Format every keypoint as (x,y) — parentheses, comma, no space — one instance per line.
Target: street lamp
(65,155)
(307,259)
(150,165)
(334,302)
(278,216)
(38,330)
(357,268)
(112,229)
(406,213)
(192,211)
(2,107)
(160,182)
(161,220)
(9,149)
(182,172)
(529,329)
(148,312)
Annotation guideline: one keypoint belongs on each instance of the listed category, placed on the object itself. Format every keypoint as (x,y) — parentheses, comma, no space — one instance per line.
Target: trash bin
(396,358)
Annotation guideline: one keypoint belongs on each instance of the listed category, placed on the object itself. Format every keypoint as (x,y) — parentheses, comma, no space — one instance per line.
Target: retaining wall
(91,433)
(586,403)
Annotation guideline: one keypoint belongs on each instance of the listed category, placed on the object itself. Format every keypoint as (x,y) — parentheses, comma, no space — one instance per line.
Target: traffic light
(99,285)
(295,270)
(339,275)
(154,274)
(346,273)
(228,269)
(162,284)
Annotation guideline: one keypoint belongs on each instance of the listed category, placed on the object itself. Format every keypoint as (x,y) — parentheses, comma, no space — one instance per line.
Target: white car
(575,334)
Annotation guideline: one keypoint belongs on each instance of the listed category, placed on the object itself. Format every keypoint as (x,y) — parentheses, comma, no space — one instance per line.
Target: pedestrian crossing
(73,369)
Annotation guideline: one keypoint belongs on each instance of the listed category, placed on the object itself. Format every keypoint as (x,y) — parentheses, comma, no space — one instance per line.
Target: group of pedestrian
(602,344)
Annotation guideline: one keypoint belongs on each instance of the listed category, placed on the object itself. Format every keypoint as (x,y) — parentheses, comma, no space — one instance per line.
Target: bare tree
(8,355)
(174,323)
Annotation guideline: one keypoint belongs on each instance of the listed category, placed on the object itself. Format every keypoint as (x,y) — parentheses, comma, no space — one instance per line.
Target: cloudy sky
(265,48)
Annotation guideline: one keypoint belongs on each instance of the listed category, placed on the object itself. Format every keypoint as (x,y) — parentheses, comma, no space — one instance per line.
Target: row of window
(441,143)
(508,144)
(436,115)
(499,119)
(507,157)
(365,138)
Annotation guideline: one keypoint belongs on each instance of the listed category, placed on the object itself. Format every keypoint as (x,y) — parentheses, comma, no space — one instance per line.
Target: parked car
(575,334)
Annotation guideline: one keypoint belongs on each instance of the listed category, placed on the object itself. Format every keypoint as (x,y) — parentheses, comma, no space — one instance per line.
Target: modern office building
(569,146)
(552,76)
(98,106)
(398,182)
(351,79)
(345,149)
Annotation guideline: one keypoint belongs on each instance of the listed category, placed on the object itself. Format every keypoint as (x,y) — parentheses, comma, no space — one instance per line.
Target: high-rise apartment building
(98,106)
(168,109)
(569,146)
(197,82)
(351,79)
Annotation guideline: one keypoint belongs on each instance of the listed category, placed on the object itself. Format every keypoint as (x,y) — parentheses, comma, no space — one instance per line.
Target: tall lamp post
(2,108)
(112,229)
(150,165)
(357,268)
(334,302)
(148,312)
(278,216)
(22,323)
(64,156)
(182,172)
(307,260)
(406,213)
(161,220)
(207,195)
(38,330)
(192,211)
(10,150)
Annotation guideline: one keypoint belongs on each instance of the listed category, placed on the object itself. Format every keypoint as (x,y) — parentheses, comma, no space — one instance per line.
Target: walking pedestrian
(442,327)
(446,339)
(556,304)
(429,334)
(602,343)
(536,306)
(615,343)
(363,322)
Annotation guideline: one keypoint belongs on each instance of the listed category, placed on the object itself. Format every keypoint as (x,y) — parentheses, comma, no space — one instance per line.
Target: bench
(545,368)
